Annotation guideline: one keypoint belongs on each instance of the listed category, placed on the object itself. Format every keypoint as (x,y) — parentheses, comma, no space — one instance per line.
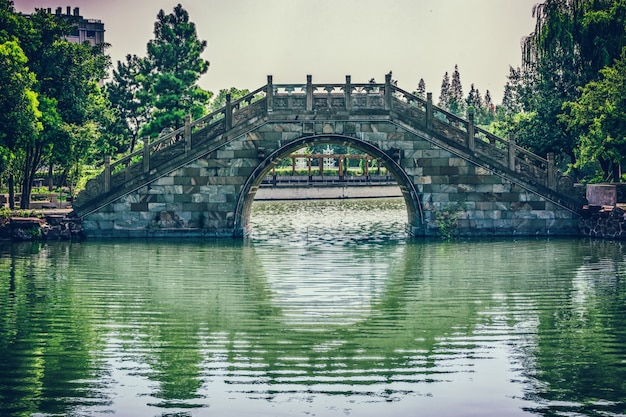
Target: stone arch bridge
(200,180)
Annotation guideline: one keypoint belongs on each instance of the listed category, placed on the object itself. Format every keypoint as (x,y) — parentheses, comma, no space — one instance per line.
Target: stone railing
(215,123)
(420,113)
(315,99)
(171,144)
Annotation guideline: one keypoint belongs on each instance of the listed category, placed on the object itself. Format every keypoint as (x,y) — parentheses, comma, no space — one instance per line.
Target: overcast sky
(329,39)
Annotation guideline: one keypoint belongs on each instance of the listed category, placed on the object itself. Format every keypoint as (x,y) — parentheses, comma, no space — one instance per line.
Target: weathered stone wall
(603,222)
(201,198)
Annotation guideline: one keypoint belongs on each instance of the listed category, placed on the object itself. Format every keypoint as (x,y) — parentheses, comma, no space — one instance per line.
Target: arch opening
(388,158)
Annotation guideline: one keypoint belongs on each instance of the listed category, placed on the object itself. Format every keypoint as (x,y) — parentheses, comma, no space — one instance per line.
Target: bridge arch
(248,191)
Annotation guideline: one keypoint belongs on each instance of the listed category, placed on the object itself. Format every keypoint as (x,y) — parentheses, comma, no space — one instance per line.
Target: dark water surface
(328,310)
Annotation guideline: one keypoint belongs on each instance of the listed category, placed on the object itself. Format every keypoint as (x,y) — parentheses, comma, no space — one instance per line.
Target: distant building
(90,30)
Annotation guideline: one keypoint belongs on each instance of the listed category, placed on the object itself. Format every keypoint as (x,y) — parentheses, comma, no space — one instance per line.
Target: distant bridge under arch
(200,180)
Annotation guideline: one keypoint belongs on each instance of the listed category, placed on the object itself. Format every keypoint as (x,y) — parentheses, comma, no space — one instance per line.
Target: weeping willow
(572,41)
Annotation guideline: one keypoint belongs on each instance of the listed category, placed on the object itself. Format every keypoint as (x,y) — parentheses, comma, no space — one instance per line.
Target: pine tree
(124,92)
(421,89)
(456,105)
(474,101)
(175,58)
(445,94)
(489,109)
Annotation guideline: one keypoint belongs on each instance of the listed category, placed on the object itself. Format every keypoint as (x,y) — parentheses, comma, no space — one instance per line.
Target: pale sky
(329,39)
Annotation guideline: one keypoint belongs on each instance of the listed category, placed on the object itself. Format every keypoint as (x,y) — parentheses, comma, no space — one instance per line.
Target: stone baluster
(388,91)
(470,131)
(551,171)
(107,173)
(429,110)
(187,132)
(146,155)
(347,92)
(309,93)
(228,114)
(269,94)
(512,148)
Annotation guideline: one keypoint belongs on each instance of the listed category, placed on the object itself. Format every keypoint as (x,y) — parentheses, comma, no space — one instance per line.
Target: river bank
(41,225)
(600,222)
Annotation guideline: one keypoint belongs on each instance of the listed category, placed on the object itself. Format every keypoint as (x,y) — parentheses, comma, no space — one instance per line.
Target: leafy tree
(174,56)
(572,41)
(10,21)
(125,95)
(68,99)
(600,114)
(64,101)
(19,118)
(220,100)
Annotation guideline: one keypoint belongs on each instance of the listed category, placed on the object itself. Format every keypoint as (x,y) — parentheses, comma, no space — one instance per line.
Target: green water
(328,310)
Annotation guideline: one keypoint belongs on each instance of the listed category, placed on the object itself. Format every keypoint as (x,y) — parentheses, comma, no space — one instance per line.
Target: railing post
(470,131)
(269,94)
(388,91)
(347,92)
(429,110)
(228,114)
(309,93)
(187,132)
(512,146)
(146,155)
(551,171)
(107,173)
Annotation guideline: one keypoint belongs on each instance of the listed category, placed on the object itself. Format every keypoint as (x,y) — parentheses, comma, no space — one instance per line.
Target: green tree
(445,94)
(71,96)
(489,109)
(10,21)
(220,100)
(456,104)
(65,80)
(421,89)
(19,110)
(600,114)
(474,101)
(572,41)
(125,94)
(174,56)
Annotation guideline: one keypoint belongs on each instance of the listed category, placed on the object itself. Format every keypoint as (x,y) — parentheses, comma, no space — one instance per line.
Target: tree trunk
(33,157)
(11,184)
(25,198)
(606,168)
(133,142)
(50,177)
(615,171)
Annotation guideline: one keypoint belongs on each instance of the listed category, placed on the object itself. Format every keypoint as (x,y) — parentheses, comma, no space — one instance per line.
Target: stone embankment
(605,215)
(50,226)
(603,222)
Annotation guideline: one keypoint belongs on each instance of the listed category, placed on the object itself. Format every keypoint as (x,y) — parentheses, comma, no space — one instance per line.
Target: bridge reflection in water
(291,324)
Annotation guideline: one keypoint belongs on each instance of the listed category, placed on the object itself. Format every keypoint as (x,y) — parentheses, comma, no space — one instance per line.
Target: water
(328,310)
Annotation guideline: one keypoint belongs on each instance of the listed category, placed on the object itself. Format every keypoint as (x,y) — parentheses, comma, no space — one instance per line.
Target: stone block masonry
(444,169)
(200,198)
